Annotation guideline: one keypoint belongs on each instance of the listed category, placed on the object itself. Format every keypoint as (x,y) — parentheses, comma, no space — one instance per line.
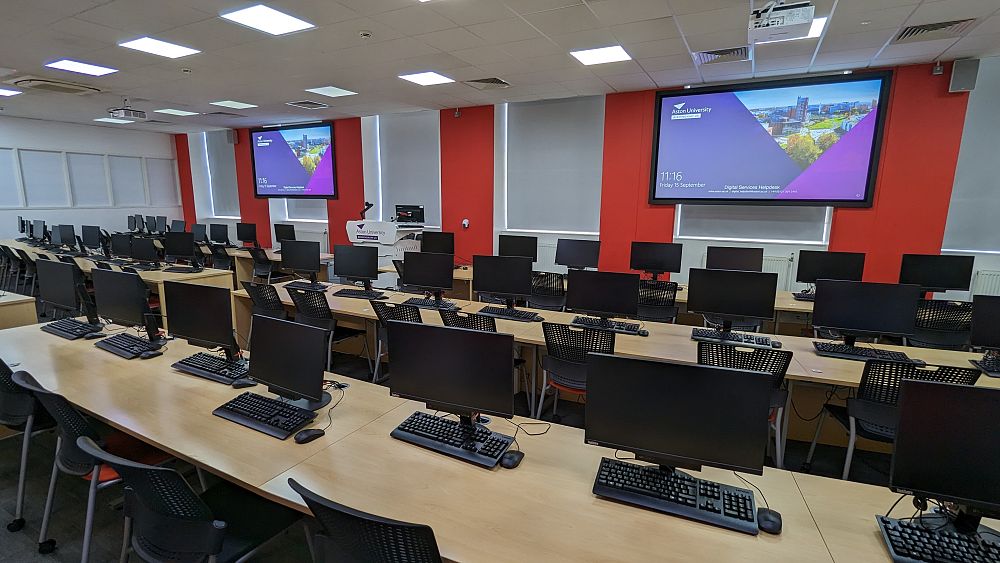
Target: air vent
(157,122)
(488,84)
(733,55)
(57,86)
(225,114)
(933,31)
(307,104)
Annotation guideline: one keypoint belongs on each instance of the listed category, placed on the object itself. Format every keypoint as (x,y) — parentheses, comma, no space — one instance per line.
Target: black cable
(901,497)
(329,411)
(764,498)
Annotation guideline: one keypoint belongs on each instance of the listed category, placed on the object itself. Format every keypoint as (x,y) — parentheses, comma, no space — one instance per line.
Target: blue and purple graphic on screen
(805,143)
(294,162)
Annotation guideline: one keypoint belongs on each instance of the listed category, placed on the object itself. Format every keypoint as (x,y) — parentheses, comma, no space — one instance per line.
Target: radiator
(316,236)
(781,265)
(986,282)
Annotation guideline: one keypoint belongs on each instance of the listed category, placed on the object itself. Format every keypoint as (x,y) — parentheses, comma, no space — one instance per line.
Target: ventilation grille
(157,122)
(933,31)
(733,55)
(307,104)
(57,86)
(488,84)
(225,114)
(986,282)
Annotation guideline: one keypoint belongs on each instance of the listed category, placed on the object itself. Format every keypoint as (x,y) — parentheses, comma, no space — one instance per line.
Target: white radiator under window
(781,265)
(986,282)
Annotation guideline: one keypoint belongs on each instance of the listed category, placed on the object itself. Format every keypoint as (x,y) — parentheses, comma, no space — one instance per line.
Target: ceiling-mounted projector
(127,113)
(777,21)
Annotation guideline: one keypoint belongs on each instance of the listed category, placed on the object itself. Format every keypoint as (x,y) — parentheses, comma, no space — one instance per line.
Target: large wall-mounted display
(294,162)
(810,141)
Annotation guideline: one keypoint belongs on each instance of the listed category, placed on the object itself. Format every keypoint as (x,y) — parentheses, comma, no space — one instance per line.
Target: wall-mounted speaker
(963,75)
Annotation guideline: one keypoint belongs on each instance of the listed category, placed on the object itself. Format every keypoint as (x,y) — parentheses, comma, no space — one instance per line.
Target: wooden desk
(244,263)
(462,288)
(17,310)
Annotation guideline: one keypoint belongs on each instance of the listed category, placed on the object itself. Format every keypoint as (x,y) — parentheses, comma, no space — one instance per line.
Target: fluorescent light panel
(426,78)
(602,55)
(81,68)
(6,92)
(815,30)
(157,47)
(232,104)
(114,120)
(331,91)
(179,112)
(268,20)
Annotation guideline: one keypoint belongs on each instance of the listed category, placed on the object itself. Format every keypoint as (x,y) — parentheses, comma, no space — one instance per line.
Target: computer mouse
(775,344)
(310,434)
(242,383)
(94,335)
(511,459)
(769,520)
(643,332)
(150,354)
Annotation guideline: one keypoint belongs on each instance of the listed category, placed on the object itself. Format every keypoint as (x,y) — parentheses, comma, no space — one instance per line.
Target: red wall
(252,209)
(184,179)
(350,179)
(923,133)
(467,179)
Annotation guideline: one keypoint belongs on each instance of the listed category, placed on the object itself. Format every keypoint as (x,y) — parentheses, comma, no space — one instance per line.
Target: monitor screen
(433,272)
(946,444)
(657,411)
(139,223)
(199,312)
(67,235)
(300,255)
(517,245)
(131,222)
(91,236)
(121,297)
(57,284)
(578,253)
(865,307)
(288,357)
(437,243)
(20,224)
(503,276)
(935,272)
(121,245)
(56,235)
(177,226)
(219,232)
(812,141)
(735,258)
(284,232)
(986,321)
(38,228)
(144,249)
(732,293)
(355,262)
(179,243)
(246,232)
(161,224)
(656,257)
(819,265)
(410,214)
(294,162)
(606,294)
(151,223)
(198,230)
(473,376)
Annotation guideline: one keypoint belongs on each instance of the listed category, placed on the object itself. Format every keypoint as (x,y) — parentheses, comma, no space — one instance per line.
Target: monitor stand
(964,522)
(153,330)
(727,326)
(311,405)
(475,416)
(850,339)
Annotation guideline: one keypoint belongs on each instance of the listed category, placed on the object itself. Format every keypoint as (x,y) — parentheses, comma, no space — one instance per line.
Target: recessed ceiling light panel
(331,91)
(426,78)
(6,92)
(268,20)
(81,68)
(233,104)
(602,55)
(179,112)
(157,47)
(114,120)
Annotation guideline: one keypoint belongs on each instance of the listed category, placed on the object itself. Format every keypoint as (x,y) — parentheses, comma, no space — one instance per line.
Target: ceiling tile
(676,77)
(533,6)
(717,70)
(316,13)
(650,49)
(615,69)
(143,17)
(648,30)
(853,21)
(670,62)
(928,48)
(210,35)
(949,10)
(842,57)
(369,7)
(978,45)
(452,39)
(849,41)
(719,40)
(786,48)
(693,6)
(782,73)
(564,20)
(414,20)
(629,82)
(482,55)
(989,25)
(778,63)
(503,31)
(531,48)
(715,20)
(586,39)
(471,12)
(614,12)
(588,87)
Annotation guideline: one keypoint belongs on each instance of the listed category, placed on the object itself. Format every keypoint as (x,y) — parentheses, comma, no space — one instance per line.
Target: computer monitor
(121,245)
(934,272)
(455,370)
(139,223)
(284,232)
(732,294)
(735,258)
(67,235)
(131,223)
(178,226)
(429,272)
(506,277)
(517,245)
(56,235)
(413,214)
(38,229)
(200,235)
(60,285)
(866,308)
(290,359)
(578,254)
(437,243)
(246,232)
(121,298)
(202,315)
(605,294)
(301,256)
(356,263)
(946,450)
(20,224)
(91,236)
(144,249)
(161,224)
(657,411)
(181,245)
(985,322)
(656,257)
(821,265)
(151,224)
(219,233)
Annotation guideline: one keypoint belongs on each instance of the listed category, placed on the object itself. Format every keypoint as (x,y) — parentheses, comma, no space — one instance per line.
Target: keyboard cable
(740,477)
(327,384)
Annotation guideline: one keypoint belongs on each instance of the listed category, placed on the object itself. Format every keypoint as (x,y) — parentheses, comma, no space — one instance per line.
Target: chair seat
(547,302)
(564,375)
(250,519)
(133,449)
(864,429)
(657,313)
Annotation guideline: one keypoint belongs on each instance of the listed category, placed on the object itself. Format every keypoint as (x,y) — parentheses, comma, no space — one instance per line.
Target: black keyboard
(308,286)
(802,296)
(990,365)
(511,314)
(678,494)
(182,270)
(859,353)
(910,541)
(359,294)
(126,345)
(745,339)
(216,368)
(264,414)
(609,325)
(475,444)
(421,303)
(70,329)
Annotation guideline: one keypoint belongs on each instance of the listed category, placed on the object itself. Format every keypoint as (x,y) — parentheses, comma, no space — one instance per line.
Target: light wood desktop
(244,262)
(17,310)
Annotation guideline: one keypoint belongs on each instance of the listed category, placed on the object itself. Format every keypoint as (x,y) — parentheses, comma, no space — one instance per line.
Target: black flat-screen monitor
(20,224)
(935,272)
(985,322)
(866,308)
(657,411)
(67,235)
(732,293)
(605,294)
(437,243)
(121,245)
(121,297)
(140,224)
(412,214)
(284,232)
(946,445)
(91,236)
(472,377)
(355,262)
(179,244)
(502,276)
(428,271)
(574,253)
(56,238)
(288,357)
(246,232)
(201,314)
(57,284)
(820,265)
(38,229)
(151,223)
(518,245)
(300,256)
(735,258)
(219,232)
(656,257)
(144,249)
(178,226)
(161,224)
(295,161)
(198,230)
(131,223)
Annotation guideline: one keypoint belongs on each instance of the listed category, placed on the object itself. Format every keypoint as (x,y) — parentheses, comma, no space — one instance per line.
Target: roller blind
(88,179)
(803,225)
(127,183)
(9,193)
(222,169)
(44,178)
(410,156)
(162,182)
(308,209)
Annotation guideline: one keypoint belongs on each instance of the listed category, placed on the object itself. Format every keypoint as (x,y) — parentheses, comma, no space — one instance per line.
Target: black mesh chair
(9,266)
(564,367)
(386,312)
(103,266)
(471,321)
(872,413)
(656,301)
(548,291)
(165,520)
(946,325)
(221,260)
(774,362)
(263,267)
(72,460)
(265,301)
(312,308)
(29,273)
(351,535)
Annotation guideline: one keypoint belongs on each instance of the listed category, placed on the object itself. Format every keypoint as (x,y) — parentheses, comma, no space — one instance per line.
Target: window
(306,209)
(555,152)
(410,163)
(127,182)
(221,162)
(88,179)
(44,178)
(750,223)
(10,195)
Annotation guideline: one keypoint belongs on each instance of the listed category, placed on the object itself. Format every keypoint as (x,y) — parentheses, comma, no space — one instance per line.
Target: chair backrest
(471,321)
(572,344)
(657,293)
(265,300)
(395,312)
(311,307)
(880,379)
(221,260)
(950,316)
(16,402)
(398,265)
(547,283)
(260,257)
(103,266)
(26,260)
(169,520)
(774,362)
(70,422)
(358,536)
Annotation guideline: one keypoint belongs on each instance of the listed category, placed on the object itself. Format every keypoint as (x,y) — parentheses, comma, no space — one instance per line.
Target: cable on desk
(740,477)
(901,497)
(329,411)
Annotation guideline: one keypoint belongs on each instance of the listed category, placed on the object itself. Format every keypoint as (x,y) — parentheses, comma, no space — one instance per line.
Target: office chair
(71,460)
(28,272)
(656,301)
(351,535)
(104,266)
(165,520)
(548,291)
(11,266)
(221,260)
(471,321)
(774,362)
(386,312)
(945,325)
(872,412)
(265,301)
(564,367)
(312,308)
(263,267)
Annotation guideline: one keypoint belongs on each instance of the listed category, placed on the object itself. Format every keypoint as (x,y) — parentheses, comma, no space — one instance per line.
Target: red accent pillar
(184,179)
(467,179)
(350,179)
(252,209)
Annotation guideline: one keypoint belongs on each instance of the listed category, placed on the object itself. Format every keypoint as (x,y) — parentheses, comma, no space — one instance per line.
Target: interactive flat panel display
(294,162)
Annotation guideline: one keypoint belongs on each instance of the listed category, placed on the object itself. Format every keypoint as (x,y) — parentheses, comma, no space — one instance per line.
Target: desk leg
(534,379)
(788,414)
(244,269)
(242,315)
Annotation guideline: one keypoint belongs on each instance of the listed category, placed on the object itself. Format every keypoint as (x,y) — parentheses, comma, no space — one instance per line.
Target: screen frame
(333,143)
(873,161)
